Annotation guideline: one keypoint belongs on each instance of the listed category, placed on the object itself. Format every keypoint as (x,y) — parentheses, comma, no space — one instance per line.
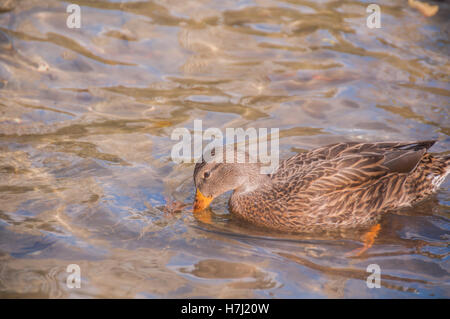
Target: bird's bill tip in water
(201,201)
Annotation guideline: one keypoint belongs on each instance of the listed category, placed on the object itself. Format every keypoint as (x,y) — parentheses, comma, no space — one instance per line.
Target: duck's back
(349,184)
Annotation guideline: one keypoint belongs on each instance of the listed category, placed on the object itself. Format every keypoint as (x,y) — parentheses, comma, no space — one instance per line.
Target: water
(85,122)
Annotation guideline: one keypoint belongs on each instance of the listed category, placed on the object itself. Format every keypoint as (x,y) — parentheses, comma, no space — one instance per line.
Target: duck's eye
(206,174)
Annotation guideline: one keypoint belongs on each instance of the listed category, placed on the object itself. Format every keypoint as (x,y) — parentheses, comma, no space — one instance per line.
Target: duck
(343,185)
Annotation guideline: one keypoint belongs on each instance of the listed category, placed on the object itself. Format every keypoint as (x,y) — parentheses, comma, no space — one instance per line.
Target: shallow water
(86,117)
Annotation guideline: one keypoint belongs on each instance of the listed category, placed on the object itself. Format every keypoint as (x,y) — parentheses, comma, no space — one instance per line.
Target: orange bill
(201,201)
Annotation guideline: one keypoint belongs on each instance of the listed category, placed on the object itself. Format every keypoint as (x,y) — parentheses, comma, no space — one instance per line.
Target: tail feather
(442,168)
(447,164)
(447,160)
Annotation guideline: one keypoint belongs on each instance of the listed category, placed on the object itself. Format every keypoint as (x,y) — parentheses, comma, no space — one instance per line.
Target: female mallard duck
(340,185)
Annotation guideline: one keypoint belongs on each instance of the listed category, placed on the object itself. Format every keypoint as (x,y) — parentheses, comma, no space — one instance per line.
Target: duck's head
(213,179)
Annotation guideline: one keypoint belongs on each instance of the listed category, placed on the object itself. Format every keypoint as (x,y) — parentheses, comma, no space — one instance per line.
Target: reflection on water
(85,122)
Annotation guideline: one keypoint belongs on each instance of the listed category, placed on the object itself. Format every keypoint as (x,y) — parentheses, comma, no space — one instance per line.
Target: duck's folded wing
(356,182)
(394,157)
(358,170)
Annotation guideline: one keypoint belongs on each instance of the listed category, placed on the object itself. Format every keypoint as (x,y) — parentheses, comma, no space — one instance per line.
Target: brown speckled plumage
(340,185)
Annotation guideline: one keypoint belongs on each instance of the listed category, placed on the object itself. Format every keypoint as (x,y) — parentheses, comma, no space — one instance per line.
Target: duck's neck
(253,182)
(244,200)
